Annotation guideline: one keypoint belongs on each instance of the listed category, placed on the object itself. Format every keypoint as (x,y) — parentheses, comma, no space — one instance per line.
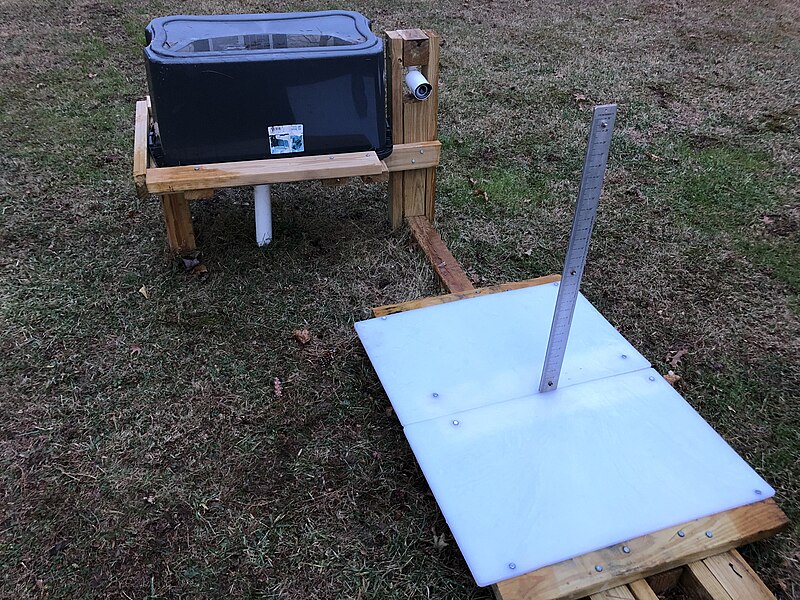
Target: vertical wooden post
(412,193)
(178,220)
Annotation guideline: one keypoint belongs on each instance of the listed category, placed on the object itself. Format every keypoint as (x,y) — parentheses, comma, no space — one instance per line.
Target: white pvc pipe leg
(263,204)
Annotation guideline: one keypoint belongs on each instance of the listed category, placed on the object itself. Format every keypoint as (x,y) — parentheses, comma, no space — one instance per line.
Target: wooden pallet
(700,555)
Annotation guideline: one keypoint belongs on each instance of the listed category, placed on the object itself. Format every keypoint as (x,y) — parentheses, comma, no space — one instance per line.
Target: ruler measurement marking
(594,166)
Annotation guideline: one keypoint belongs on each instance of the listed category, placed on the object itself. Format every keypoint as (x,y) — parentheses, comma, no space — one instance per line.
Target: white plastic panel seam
(442,359)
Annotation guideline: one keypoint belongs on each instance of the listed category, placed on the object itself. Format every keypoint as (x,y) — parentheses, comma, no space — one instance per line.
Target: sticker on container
(285,139)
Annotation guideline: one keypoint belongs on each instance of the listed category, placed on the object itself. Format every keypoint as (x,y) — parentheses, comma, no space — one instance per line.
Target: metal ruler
(594,168)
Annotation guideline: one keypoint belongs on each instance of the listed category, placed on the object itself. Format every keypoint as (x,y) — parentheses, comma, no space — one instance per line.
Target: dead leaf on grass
(278,387)
(672,378)
(767,220)
(136,350)
(677,356)
(438,540)
(389,411)
(579,98)
(302,336)
(143,292)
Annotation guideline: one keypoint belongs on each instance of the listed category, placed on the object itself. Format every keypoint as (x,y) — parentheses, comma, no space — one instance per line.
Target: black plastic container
(242,87)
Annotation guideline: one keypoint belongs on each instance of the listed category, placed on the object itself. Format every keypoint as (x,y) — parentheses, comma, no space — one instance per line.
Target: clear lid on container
(227,34)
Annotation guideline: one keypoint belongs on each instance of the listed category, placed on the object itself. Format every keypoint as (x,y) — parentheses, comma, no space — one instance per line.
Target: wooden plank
(391,309)
(383,177)
(416,155)
(701,584)
(650,554)
(140,158)
(415,47)
(641,590)
(394,87)
(618,593)
(445,265)
(178,221)
(257,172)
(419,125)
(433,76)
(737,577)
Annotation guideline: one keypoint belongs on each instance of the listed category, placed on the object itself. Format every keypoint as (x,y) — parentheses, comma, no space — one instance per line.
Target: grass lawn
(145,449)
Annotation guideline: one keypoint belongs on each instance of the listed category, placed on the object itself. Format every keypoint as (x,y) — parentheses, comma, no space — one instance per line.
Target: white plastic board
(525,479)
(537,480)
(440,359)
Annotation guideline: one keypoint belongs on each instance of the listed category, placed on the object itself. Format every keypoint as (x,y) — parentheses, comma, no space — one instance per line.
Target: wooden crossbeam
(166,180)
(445,265)
(414,155)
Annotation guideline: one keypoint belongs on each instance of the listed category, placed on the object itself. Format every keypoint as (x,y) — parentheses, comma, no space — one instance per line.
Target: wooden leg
(414,199)
(396,199)
(178,220)
(412,192)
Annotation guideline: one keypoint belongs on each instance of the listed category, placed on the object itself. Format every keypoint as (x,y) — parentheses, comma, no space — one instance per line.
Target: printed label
(285,139)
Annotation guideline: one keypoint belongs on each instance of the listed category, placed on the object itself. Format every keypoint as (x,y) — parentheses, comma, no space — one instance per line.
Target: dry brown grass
(144,450)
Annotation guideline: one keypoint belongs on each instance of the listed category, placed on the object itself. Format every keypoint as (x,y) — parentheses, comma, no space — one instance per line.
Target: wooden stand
(700,555)
(410,169)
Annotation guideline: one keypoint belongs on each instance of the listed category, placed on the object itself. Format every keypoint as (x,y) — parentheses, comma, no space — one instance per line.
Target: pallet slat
(737,577)
(618,593)
(700,583)
(389,309)
(650,554)
(641,590)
